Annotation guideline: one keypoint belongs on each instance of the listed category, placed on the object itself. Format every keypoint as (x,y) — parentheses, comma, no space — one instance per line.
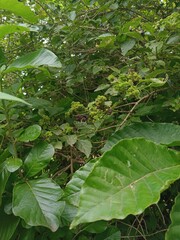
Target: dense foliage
(89,119)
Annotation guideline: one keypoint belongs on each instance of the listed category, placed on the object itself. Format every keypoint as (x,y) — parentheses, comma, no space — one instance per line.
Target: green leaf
(72,15)
(174,39)
(164,133)
(4,175)
(8,29)
(126,180)
(13,164)
(68,214)
(105,35)
(9,97)
(8,225)
(107,40)
(71,139)
(58,145)
(156,82)
(19,9)
(27,234)
(155,46)
(84,146)
(133,23)
(96,227)
(173,231)
(37,202)
(127,45)
(39,102)
(38,158)
(30,134)
(102,87)
(42,57)
(72,190)
(111,233)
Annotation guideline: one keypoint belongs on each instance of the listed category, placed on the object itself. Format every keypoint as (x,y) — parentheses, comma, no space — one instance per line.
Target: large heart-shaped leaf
(164,133)
(37,202)
(72,192)
(38,158)
(42,57)
(8,225)
(173,232)
(9,97)
(8,29)
(19,9)
(126,180)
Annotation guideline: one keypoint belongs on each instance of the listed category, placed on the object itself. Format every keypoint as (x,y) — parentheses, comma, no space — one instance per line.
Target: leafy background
(89,119)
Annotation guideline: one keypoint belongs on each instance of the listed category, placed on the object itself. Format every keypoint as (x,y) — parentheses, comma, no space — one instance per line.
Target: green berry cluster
(171,22)
(76,108)
(99,108)
(66,128)
(45,119)
(127,85)
(95,110)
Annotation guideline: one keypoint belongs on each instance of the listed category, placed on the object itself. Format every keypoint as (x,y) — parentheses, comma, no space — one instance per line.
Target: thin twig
(71,160)
(132,109)
(59,172)
(147,235)
(41,5)
(131,226)
(163,219)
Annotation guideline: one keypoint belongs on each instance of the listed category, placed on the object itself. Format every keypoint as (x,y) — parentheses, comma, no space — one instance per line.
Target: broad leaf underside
(126,180)
(164,133)
(37,202)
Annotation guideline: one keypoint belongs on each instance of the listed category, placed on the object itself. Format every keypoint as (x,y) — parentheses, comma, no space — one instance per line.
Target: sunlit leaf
(30,133)
(13,164)
(18,8)
(9,97)
(8,29)
(42,57)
